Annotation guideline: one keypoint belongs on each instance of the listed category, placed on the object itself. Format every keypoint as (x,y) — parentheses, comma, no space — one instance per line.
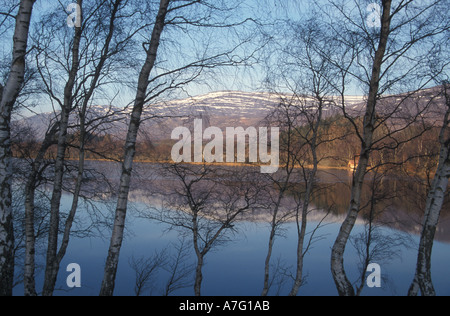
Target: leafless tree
(203,203)
(372,245)
(175,264)
(92,48)
(130,149)
(24,137)
(374,55)
(32,182)
(8,95)
(280,215)
(422,279)
(343,285)
(180,271)
(307,76)
(154,82)
(66,107)
(146,269)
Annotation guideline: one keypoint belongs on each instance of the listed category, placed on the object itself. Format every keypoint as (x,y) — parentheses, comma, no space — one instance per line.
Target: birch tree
(112,261)
(282,182)
(94,51)
(204,203)
(312,84)
(377,51)
(301,68)
(8,96)
(153,83)
(343,285)
(66,107)
(422,279)
(109,49)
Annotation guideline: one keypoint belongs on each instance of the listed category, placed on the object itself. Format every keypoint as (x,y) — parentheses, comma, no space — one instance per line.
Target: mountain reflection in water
(237,267)
(401,206)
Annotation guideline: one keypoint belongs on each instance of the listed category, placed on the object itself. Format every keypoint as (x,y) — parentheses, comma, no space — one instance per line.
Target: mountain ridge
(227,108)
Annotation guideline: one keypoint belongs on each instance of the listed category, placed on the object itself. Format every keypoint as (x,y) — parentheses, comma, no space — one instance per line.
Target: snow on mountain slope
(222,109)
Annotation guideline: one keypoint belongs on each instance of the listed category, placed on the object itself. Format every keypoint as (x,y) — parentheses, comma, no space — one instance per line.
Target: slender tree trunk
(51,270)
(8,98)
(200,260)
(289,168)
(301,232)
(301,227)
(112,261)
(199,275)
(422,279)
(200,256)
(30,239)
(343,285)
(369,239)
(266,286)
(30,242)
(51,265)
(76,195)
(82,140)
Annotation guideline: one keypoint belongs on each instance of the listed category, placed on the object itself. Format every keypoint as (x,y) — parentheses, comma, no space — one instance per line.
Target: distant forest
(415,149)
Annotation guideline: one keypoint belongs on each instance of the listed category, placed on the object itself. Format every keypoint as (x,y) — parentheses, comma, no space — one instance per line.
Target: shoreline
(422,175)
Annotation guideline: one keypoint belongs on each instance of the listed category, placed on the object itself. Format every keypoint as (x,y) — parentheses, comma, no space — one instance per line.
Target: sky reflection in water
(237,268)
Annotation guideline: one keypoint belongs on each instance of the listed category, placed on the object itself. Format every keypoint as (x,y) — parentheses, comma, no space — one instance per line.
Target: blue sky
(237,78)
(229,78)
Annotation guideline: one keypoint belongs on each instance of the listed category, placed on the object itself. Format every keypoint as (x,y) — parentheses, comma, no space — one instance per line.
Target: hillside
(222,109)
(230,109)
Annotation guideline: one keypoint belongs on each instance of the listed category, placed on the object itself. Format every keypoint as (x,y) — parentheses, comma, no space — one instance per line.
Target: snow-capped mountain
(222,109)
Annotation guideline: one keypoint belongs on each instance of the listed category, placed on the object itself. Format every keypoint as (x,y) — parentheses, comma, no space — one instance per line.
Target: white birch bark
(422,280)
(80,176)
(30,239)
(343,285)
(8,98)
(51,270)
(112,261)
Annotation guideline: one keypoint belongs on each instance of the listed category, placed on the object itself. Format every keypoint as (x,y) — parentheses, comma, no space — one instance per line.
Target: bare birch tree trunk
(422,279)
(51,270)
(301,233)
(112,261)
(283,186)
(82,140)
(76,195)
(30,239)
(343,285)
(8,98)
(301,225)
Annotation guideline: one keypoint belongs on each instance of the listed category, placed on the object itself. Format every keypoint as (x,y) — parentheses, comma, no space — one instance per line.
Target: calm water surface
(237,268)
